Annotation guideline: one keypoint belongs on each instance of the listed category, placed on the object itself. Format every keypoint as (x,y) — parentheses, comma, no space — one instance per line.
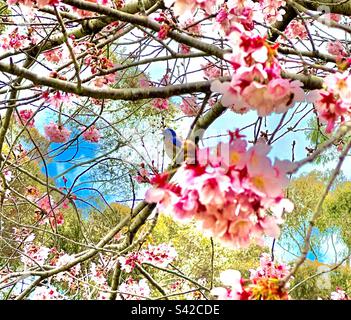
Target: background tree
(91,184)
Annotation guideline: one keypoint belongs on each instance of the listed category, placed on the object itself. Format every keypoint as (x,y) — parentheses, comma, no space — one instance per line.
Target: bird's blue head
(171,136)
(168,132)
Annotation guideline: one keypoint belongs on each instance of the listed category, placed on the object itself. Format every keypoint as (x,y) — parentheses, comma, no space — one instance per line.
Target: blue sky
(66,160)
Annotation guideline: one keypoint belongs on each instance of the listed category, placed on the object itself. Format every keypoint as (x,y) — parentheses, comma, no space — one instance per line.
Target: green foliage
(4,12)
(22,214)
(313,287)
(337,213)
(99,223)
(302,191)
(305,192)
(335,219)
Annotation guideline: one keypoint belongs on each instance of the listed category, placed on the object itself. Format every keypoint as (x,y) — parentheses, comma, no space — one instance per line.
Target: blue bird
(172,143)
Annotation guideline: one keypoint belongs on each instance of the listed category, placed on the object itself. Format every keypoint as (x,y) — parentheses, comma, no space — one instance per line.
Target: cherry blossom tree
(87,90)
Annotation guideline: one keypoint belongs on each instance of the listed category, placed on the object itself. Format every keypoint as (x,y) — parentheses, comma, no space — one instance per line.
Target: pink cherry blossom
(161,255)
(91,134)
(336,48)
(211,71)
(143,175)
(162,192)
(262,285)
(279,88)
(45,293)
(54,55)
(184,49)
(62,259)
(333,16)
(56,133)
(333,105)
(105,80)
(339,294)
(228,191)
(296,29)
(30,3)
(191,26)
(163,33)
(26,117)
(232,280)
(273,10)
(57,98)
(144,82)
(236,15)
(160,104)
(34,255)
(50,212)
(134,290)
(128,262)
(339,84)
(212,188)
(14,40)
(189,106)
(256,82)
(8,175)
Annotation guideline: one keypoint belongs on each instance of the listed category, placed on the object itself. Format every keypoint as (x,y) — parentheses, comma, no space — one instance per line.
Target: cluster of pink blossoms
(26,117)
(189,106)
(57,98)
(98,276)
(42,3)
(160,104)
(165,27)
(49,212)
(191,27)
(336,48)
(34,255)
(61,259)
(54,55)
(273,10)
(211,71)
(256,83)
(339,294)
(91,134)
(236,14)
(14,39)
(229,191)
(264,283)
(134,290)
(333,104)
(161,255)
(142,175)
(97,63)
(296,29)
(56,133)
(333,17)
(45,293)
